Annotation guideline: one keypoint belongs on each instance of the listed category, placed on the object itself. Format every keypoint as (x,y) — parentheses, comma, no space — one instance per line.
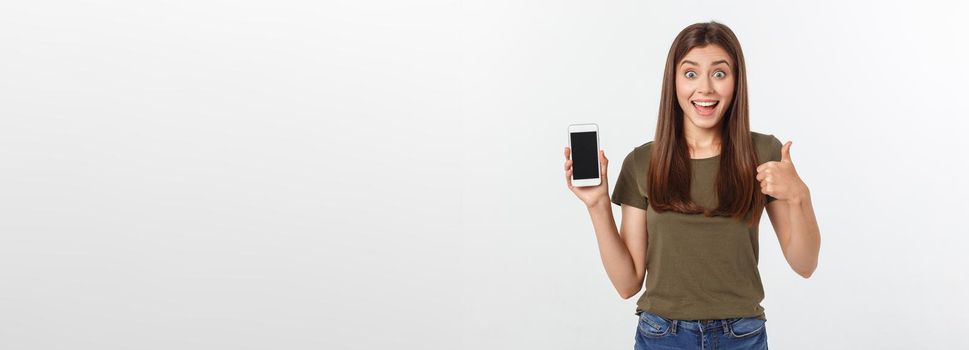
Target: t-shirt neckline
(708,158)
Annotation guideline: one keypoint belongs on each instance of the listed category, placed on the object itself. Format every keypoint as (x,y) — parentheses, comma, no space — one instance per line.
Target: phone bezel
(596,181)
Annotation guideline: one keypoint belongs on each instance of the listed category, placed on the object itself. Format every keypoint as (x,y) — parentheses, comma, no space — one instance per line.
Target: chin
(705,122)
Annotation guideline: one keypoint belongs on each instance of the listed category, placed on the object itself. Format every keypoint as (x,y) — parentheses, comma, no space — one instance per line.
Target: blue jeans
(657,332)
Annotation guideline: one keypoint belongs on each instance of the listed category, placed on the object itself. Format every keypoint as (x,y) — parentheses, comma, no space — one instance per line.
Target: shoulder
(636,162)
(644,149)
(768,147)
(640,154)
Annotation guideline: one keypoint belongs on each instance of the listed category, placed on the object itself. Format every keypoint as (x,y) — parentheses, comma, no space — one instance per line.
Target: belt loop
(674,326)
(725,329)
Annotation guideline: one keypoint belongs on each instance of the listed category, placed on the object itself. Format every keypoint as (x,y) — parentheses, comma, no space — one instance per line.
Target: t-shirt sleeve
(775,156)
(627,185)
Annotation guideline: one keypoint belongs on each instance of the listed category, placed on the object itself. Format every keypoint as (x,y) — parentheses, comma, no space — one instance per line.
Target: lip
(704,113)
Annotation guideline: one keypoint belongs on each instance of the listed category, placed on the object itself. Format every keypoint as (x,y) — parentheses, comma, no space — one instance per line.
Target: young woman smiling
(691,204)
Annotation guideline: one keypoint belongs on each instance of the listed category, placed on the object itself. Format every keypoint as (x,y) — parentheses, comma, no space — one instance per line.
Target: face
(704,85)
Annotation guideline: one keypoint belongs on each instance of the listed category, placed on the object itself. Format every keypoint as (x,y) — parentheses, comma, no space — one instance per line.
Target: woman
(691,204)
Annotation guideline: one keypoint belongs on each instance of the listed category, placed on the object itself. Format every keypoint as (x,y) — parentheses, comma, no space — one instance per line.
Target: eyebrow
(713,64)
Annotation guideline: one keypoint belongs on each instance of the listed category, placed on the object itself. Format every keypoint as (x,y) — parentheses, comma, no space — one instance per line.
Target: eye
(719,74)
(690,74)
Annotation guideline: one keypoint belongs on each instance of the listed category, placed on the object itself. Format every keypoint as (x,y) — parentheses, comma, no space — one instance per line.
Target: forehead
(705,55)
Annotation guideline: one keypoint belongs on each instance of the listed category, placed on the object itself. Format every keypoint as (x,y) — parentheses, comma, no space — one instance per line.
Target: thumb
(786,152)
(604,162)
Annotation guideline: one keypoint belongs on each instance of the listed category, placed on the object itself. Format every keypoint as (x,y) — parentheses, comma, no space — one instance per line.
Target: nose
(706,86)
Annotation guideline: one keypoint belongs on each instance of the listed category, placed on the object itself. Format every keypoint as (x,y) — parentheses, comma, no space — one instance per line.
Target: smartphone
(584,143)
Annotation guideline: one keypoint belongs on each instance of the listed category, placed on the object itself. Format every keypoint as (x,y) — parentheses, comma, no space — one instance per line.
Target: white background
(363,175)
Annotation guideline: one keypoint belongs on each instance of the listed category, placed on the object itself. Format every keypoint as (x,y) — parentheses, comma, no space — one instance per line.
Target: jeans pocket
(746,327)
(653,325)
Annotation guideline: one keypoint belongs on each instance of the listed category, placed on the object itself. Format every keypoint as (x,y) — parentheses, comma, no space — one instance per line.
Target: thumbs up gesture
(780,180)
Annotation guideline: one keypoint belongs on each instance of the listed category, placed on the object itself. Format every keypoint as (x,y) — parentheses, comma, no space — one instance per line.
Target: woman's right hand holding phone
(592,195)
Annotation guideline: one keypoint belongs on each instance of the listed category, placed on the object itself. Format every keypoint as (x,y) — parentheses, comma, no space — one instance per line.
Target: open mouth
(705,107)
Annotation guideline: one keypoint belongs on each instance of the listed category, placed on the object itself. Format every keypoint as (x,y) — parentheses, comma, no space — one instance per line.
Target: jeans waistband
(705,325)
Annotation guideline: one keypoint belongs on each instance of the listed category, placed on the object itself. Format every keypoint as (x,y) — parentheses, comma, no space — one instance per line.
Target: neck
(702,142)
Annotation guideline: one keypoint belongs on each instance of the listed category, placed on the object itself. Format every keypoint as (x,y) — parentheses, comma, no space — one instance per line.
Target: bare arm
(792,214)
(625,269)
(623,252)
(797,232)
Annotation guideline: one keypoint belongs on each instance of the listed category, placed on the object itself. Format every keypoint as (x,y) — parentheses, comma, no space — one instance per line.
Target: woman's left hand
(780,180)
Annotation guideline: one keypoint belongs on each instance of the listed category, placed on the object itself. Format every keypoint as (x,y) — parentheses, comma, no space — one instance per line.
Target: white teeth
(705,104)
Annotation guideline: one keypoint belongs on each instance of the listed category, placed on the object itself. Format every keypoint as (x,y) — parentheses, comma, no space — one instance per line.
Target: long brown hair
(670,172)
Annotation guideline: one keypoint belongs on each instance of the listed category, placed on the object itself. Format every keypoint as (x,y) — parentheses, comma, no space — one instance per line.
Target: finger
(568,164)
(786,152)
(568,178)
(761,176)
(567,152)
(763,166)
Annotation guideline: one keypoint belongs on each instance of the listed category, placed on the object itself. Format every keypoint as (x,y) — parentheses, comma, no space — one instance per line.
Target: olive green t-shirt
(698,267)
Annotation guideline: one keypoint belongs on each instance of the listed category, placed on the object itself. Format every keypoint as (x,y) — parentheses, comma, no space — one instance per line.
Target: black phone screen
(585,155)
